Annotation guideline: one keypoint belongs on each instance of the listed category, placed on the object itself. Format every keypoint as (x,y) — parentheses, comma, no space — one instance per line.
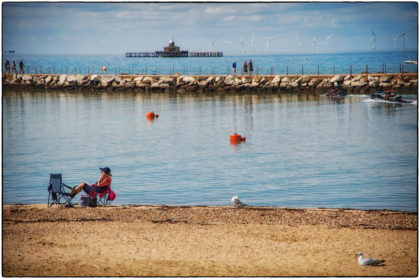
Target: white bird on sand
(368,261)
(235,200)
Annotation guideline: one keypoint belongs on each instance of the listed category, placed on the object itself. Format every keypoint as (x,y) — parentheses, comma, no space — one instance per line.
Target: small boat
(335,93)
(389,96)
(411,61)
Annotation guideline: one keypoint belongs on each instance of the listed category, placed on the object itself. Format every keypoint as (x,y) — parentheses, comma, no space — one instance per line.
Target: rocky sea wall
(355,84)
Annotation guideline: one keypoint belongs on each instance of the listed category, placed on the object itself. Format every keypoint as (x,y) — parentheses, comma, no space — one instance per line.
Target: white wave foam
(379,101)
(369,100)
(358,96)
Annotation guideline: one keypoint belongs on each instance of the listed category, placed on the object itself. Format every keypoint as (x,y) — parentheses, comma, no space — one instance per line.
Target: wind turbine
(298,43)
(242,43)
(373,40)
(404,37)
(268,43)
(227,43)
(326,41)
(252,43)
(313,44)
(395,41)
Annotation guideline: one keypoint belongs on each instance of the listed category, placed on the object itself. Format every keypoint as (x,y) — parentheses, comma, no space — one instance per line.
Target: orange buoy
(150,115)
(235,138)
(103,69)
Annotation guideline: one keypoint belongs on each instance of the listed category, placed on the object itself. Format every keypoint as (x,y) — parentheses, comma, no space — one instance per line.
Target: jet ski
(390,96)
(335,93)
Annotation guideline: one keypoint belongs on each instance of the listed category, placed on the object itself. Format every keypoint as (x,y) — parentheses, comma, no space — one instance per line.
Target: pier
(205,54)
(174,51)
(181,54)
(141,54)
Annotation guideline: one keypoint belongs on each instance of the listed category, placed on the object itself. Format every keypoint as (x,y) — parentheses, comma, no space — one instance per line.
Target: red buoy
(151,115)
(235,138)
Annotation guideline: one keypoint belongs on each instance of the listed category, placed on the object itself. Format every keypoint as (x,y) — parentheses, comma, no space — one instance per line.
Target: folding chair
(56,192)
(102,197)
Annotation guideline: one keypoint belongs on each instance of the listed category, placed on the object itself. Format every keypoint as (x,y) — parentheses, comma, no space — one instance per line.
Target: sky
(117,27)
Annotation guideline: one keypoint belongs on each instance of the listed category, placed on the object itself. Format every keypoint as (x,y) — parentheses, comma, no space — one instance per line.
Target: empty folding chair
(57,193)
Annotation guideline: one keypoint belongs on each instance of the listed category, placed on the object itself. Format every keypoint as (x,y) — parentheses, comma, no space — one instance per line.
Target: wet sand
(205,241)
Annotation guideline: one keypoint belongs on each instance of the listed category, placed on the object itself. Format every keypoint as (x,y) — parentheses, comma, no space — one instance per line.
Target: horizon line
(229,54)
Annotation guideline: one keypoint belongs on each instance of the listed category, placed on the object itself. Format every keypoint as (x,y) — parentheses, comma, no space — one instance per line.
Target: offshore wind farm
(274,43)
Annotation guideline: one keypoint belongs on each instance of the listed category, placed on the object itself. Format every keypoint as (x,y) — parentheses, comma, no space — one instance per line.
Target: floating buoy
(151,115)
(235,138)
(103,69)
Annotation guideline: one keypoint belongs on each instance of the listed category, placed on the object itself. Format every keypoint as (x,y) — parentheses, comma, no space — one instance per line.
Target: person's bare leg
(78,188)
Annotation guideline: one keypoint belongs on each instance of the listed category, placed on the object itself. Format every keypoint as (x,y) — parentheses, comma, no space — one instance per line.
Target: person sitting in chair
(101,186)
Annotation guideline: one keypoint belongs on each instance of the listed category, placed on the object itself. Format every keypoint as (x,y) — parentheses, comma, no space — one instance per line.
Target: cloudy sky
(115,28)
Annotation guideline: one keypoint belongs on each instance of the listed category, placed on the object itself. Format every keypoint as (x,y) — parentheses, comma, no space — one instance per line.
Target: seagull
(235,200)
(368,261)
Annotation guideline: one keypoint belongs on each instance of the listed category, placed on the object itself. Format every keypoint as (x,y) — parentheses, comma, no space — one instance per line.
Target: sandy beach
(205,241)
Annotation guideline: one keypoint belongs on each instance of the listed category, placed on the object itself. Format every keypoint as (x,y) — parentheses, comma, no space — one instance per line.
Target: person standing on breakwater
(234,67)
(21,67)
(250,67)
(245,68)
(14,67)
(101,186)
(7,66)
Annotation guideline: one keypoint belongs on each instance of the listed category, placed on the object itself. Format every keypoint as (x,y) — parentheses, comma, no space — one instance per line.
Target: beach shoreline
(160,240)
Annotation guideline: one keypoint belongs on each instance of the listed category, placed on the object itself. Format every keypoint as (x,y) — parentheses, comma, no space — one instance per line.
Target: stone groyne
(355,84)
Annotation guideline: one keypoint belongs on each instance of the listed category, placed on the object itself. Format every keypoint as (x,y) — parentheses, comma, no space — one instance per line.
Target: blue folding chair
(56,192)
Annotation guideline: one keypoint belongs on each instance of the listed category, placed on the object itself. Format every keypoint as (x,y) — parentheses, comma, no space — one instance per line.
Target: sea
(283,64)
(301,151)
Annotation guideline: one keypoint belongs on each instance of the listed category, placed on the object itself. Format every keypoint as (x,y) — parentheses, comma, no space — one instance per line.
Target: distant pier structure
(174,51)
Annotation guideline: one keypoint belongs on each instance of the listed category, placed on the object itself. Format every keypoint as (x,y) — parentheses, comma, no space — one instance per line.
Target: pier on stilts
(173,51)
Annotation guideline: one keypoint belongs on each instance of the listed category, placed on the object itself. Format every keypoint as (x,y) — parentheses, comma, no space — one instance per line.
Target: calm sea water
(328,63)
(301,151)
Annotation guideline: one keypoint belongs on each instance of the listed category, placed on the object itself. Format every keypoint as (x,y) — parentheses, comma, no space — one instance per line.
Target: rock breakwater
(356,84)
